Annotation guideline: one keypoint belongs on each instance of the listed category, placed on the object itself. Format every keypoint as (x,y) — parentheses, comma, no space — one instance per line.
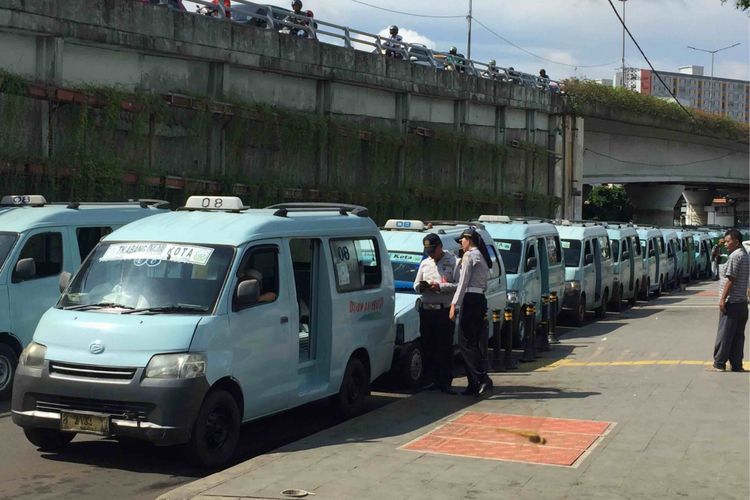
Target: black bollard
(529,340)
(553,306)
(496,359)
(507,340)
(543,331)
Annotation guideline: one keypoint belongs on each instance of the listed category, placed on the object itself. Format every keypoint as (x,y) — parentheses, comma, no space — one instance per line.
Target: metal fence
(306,26)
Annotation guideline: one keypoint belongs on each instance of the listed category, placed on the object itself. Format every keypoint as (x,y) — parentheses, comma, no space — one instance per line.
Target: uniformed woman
(472,304)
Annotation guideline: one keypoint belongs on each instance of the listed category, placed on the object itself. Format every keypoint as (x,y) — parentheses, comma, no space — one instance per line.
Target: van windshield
(150,277)
(510,251)
(572,251)
(405,266)
(7,240)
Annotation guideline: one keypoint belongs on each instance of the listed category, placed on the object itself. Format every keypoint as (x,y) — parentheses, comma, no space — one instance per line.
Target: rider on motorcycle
(456,61)
(492,72)
(394,44)
(294,18)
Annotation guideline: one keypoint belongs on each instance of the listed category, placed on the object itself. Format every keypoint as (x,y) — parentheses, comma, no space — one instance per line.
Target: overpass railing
(306,26)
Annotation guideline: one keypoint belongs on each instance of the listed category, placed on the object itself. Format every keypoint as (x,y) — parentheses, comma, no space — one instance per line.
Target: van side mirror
(652,253)
(247,294)
(588,259)
(64,281)
(531,263)
(625,255)
(413,58)
(25,269)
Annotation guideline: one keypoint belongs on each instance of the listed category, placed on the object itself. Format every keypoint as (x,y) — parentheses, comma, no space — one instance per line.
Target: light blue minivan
(654,261)
(179,327)
(403,239)
(674,257)
(627,264)
(588,268)
(533,259)
(39,241)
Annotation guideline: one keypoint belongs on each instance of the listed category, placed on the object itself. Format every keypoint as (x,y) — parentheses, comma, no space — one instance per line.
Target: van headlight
(176,366)
(33,355)
(512,296)
(572,286)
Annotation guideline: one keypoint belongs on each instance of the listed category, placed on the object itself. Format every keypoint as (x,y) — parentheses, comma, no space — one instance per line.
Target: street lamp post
(711,81)
(623,43)
(468,47)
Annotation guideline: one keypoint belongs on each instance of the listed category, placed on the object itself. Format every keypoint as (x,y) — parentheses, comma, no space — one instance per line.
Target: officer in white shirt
(436,281)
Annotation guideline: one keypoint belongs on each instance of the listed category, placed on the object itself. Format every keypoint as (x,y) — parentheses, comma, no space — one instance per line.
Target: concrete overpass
(663,165)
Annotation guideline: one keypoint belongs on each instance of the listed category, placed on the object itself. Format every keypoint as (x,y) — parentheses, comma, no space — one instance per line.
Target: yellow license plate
(90,423)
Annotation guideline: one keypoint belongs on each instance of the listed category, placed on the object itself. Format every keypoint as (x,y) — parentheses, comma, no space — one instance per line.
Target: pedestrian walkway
(630,412)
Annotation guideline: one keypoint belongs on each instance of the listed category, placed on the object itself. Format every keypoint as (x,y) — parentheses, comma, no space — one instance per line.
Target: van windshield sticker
(504,246)
(409,258)
(565,244)
(153,252)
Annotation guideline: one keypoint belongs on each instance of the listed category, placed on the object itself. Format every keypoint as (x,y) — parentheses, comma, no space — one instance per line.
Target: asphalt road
(98,468)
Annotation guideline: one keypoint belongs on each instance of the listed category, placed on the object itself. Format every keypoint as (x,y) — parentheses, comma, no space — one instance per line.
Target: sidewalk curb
(195,488)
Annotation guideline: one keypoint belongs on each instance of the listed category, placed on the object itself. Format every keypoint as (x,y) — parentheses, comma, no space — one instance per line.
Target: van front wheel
(216,431)
(355,388)
(412,366)
(49,439)
(8,363)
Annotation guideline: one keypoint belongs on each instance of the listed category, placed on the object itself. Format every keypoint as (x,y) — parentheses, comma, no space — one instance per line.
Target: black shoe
(432,386)
(469,391)
(446,389)
(484,389)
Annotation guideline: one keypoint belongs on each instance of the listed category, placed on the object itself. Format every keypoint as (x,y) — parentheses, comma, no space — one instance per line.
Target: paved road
(98,468)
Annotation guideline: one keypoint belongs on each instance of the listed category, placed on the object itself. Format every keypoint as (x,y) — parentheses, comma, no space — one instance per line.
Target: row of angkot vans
(177,326)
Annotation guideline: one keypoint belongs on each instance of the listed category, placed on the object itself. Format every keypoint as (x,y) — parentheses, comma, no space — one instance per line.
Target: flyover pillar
(654,203)
(697,201)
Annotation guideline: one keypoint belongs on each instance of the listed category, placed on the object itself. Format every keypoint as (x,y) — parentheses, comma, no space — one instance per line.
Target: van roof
(520,230)
(23,218)
(621,231)
(237,228)
(648,232)
(577,232)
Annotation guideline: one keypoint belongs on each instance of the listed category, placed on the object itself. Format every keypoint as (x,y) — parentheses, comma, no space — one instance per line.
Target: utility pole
(623,42)
(711,81)
(468,45)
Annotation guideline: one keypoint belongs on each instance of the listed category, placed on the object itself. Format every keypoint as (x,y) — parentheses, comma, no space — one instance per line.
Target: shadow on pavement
(532,392)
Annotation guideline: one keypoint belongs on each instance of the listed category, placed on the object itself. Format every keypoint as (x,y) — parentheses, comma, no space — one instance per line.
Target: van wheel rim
(415,366)
(5,370)
(355,387)
(217,428)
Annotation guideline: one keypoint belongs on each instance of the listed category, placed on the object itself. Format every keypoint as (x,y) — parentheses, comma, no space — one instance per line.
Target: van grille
(88,371)
(121,409)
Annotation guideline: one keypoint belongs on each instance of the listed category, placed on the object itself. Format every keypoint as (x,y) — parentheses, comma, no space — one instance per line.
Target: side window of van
(636,241)
(554,252)
(604,245)
(356,264)
(262,263)
(47,251)
(530,253)
(615,249)
(88,237)
(495,271)
(587,250)
(661,244)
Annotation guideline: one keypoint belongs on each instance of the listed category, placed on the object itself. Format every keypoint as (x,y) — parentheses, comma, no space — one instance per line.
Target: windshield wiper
(97,305)
(172,308)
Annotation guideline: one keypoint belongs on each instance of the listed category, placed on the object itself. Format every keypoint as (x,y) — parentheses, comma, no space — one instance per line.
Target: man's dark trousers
(730,338)
(437,329)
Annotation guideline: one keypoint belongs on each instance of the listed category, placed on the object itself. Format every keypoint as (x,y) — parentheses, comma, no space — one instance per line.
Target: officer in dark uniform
(436,281)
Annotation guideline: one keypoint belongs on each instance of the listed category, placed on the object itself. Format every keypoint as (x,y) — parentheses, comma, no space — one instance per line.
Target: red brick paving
(485,435)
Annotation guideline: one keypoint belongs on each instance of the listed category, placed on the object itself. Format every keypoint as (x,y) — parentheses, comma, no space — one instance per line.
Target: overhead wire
(625,27)
(408,13)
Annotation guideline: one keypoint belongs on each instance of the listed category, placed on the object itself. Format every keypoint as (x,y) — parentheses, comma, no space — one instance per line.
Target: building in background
(723,96)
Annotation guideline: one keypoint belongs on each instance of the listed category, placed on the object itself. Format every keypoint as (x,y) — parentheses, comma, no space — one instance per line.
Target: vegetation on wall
(585,93)
(109,144)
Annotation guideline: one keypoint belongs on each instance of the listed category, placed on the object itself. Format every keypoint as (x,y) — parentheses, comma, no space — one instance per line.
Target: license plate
(89,423)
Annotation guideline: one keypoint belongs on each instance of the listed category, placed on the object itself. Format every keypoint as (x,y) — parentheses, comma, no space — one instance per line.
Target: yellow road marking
(564,363)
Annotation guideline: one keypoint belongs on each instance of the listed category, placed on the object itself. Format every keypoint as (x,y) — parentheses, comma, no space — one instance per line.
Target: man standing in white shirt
(436,281)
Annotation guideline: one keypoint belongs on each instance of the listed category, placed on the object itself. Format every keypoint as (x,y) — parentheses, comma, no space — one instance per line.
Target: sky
(582,37)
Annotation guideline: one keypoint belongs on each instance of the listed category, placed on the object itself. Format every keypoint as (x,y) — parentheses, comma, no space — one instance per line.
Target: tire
(659,290)
(411,373)
(601,311)
(616,304)
(579,315)
(632,300)
(355,388)
(647,291)
(8,364)
(48,439)
(216,431)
